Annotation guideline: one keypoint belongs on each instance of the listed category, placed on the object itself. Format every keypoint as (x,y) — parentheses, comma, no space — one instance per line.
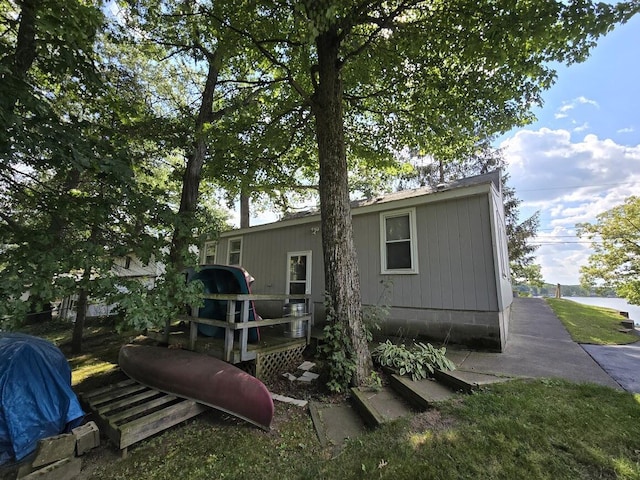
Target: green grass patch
(520,429)
(590,324)
(100,346)
(533,430)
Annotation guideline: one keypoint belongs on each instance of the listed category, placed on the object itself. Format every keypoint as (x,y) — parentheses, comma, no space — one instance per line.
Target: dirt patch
(432,420)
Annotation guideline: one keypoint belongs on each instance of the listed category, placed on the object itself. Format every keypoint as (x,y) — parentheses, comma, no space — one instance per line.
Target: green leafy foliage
(151,307)
(616,243)
(418,361)
(337,353)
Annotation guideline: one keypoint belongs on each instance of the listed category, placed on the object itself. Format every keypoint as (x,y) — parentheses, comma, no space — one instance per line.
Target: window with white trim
(299,273)
(209,254)
(398,243)
(234,252)
(503,253)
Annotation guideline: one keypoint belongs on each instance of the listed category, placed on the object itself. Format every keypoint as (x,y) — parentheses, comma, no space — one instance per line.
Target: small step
(466,381)
(378,406)
(421,393)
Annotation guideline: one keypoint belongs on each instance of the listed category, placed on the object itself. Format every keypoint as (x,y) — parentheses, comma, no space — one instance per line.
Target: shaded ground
(621,362)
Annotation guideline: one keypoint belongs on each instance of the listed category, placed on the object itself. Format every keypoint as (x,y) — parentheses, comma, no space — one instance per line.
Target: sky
(582,156)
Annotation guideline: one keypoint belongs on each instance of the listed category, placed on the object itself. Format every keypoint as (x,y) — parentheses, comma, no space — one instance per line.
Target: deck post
(309,309)
(229,333)
(193,329)
(244,333)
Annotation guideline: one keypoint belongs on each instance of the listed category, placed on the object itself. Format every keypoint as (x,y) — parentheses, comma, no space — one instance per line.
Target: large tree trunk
(342,280)
(245,213)
(17,65)
(81,316)
(182,235)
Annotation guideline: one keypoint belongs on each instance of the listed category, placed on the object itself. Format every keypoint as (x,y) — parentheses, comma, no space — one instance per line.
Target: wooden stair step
(378,406)
(421,393)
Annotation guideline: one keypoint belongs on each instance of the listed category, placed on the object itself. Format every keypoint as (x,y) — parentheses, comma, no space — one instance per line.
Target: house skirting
(484,330)
(475,329)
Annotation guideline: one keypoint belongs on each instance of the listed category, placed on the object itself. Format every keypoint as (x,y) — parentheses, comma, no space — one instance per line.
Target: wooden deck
(271,355)
(272,340)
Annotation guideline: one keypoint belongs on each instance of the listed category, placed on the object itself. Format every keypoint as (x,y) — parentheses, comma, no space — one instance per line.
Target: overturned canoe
(199,377)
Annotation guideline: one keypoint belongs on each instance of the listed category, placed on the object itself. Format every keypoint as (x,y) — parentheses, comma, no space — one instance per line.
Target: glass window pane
(398,228)
(234,258)
(298,268)
(398,255)
(234,245)
(297,288)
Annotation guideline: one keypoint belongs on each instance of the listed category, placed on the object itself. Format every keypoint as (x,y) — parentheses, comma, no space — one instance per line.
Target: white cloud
(563,111)
(586,101)
(581,128)
(626,130)
(568,181)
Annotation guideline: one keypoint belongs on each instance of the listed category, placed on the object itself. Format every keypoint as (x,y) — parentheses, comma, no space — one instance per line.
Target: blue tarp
(36,399)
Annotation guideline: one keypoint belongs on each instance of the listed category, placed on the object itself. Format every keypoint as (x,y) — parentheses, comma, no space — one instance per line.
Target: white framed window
(398,242)
(299,273)
(209,252)
(234,251)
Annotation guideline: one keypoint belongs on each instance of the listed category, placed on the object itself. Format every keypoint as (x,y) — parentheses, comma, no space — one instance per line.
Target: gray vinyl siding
(454,252)
(264,255)
(456,262)
(460,291)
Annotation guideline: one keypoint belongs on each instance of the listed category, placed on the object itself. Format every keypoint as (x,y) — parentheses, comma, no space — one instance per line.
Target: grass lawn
(532,430)
(522,429)
(590,324)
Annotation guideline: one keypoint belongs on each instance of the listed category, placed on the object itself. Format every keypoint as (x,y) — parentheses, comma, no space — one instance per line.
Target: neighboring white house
(439,255)
(131,267)
(128,266)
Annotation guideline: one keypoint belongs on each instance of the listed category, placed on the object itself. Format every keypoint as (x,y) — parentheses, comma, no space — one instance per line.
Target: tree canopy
(98,107)
(615,263)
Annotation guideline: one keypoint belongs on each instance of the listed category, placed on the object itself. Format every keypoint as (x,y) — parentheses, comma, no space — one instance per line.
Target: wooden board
(128,412)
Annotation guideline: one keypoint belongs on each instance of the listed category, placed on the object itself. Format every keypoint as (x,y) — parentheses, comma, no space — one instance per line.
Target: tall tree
(412,73)
(615,262)
(72,150)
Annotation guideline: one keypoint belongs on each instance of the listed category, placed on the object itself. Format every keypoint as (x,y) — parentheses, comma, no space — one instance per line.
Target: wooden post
(193,329)
(244,333)
(228,335)
(558,291)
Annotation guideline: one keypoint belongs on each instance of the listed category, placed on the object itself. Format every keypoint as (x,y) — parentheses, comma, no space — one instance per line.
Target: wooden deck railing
(230,325)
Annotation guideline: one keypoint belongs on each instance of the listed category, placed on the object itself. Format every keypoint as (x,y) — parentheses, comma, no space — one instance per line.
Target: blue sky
(582,156)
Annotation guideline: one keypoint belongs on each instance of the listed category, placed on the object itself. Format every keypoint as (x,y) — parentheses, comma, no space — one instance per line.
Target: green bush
(416,361)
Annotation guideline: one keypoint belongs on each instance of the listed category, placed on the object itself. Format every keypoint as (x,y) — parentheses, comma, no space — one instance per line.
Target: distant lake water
(619,304)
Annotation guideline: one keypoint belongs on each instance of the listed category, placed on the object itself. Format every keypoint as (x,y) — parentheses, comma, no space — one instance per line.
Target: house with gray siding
(436,257)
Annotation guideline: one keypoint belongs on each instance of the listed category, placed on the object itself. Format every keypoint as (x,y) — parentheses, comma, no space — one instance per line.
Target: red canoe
(199,377)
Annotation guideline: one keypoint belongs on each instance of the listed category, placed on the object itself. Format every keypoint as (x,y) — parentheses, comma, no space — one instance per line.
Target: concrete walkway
(538,345)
